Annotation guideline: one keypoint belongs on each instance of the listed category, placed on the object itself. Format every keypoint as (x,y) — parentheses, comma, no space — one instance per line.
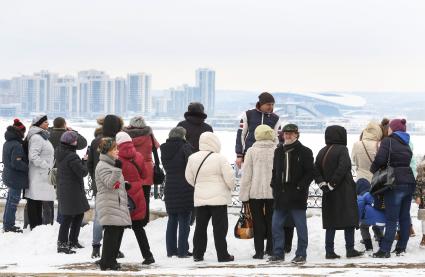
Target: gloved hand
(118,163)
(127,186)
(324,187)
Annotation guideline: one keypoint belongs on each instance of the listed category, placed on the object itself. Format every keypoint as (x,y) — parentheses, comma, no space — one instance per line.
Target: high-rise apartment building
(205,81)
(93,86)
(139,93)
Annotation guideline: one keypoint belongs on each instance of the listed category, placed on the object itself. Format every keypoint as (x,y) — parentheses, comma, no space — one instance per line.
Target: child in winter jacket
(420,196)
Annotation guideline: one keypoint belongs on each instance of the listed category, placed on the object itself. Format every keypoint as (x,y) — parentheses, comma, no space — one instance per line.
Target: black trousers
(262,212)
(147,193)
(142,239)
(220,225)
(48,212)
(112,237)
(70,228)
(35,211)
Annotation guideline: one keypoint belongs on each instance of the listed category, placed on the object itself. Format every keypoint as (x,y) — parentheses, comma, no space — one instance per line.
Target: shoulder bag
(383,179)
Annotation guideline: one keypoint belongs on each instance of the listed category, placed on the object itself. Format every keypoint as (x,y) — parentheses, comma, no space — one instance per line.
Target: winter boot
(422,244)
(332,256)
(96,252)
(76,245)
(353,253)
(64,247)
(368,244)
(120,255)
(381,254)
(14,229)
(149,260)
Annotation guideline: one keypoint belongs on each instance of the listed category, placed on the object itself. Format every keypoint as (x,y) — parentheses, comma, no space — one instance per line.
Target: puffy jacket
(400,158)
(71,194)
(257,171)
(134,170)
(178,194)
(111,198)
(142,140)
(368,214)
(195,126)
(40,156)
(362,160)
(15,161)
(215,179)
(250,120)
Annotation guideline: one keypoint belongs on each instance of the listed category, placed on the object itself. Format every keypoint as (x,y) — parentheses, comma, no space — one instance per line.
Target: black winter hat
(112,124)
(195,109)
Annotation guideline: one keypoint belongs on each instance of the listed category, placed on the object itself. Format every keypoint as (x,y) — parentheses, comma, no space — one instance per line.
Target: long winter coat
(401,155)
(15,161)
(362,160)
(40,156)
(420,184)
(134,175)
(215,179)
(292,176)
(257,171)
(142,140)
(111,198)
(72,198)
(195,125)
(178,193)
(339,207)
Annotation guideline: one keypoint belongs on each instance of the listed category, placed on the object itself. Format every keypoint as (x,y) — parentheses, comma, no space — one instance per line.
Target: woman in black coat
(178,193)
(332,172)
(72,201)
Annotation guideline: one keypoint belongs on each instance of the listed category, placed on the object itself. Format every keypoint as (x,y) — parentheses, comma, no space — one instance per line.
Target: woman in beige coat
(111,202)
(212,176)
(255,187)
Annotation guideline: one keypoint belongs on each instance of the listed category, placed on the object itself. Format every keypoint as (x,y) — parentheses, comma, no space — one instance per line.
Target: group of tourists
(277,170)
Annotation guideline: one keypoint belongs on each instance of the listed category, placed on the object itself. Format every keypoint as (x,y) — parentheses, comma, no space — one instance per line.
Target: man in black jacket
(292,175)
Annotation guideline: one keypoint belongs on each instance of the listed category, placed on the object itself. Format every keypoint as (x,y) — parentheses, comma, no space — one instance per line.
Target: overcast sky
(299,45)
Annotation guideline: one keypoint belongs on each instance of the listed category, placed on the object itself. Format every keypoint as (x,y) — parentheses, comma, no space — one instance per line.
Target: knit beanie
(69,137)
(137,122)
(177,132)
(17,124)
(398,125)
(39,119)
(264,132)
(122,137)
(265,98)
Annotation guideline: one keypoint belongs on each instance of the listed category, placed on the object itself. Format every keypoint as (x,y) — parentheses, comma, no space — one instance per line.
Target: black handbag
(158,172)
(383,179)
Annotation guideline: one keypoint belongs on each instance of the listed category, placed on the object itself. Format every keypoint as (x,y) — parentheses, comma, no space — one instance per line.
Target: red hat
(18,125)
(398,125)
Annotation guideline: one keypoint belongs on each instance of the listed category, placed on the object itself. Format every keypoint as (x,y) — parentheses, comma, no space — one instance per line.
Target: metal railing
(314,196)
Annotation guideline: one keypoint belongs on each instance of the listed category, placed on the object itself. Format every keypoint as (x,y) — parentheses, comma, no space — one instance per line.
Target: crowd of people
(277,170)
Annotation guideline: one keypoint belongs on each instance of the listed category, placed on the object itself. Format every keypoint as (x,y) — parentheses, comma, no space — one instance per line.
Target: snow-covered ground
(34,252)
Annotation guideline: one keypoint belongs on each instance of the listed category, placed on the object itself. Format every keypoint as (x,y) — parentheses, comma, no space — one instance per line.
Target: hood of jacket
(372,132)
(126,150)
(12,134)
(63,150)
(37,130)
(171,147)
(194,118)
(405,137)
(209,142)
(138,132)
(336,134)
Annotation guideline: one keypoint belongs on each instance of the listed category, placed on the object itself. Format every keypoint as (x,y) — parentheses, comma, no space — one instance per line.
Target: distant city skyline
(277,45)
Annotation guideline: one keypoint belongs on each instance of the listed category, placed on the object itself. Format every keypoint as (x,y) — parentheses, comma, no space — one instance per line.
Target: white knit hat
(122,137)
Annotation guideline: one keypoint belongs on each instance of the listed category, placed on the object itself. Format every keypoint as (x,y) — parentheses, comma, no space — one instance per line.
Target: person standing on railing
(332,172)
(291,178)
(15,173)
(256,190)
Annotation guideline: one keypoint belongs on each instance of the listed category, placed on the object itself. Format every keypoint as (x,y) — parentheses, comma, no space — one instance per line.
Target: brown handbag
(244,228)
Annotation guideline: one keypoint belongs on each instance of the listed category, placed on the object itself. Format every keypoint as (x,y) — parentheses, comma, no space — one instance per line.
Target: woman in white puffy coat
(212,177)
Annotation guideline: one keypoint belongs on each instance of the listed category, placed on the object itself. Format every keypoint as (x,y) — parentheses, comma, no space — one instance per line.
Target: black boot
(381,254)
(63,247)
(352,253)
(96,252)
(332,255)
(120,255)
(149,260)
(368,244)
(14,229)
(76,245)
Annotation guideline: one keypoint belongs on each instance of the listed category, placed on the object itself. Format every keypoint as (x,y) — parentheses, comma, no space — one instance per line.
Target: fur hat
(195,109)
(177,132)
(39,119)
(69,137)
(398,125)
(17,124)
(137,122)
(111,125)
(122,137)
(264,132)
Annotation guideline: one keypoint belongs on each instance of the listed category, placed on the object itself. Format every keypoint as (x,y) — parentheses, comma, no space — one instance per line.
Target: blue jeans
(13,197)
(397,209)
(330,238)
(182,220)
(278,221)
(97,228)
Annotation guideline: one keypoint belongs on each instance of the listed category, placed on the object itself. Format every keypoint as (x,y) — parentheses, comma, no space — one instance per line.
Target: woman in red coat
(143,140)
(134,171)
